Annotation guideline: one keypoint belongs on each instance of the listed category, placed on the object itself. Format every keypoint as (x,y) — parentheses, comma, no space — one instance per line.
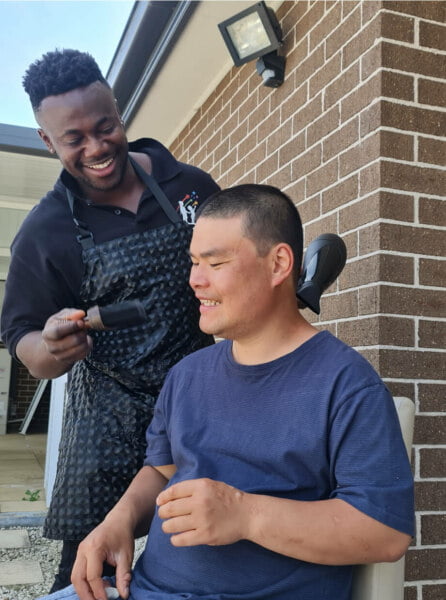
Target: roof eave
(23,140)
(149,36)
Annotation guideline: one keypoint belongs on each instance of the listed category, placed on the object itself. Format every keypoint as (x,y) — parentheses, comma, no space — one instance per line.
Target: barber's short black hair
(269,217)
(59,72)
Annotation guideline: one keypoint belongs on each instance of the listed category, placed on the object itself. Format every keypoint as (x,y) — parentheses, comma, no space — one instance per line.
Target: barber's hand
(109,542)
(65,336)
(203,511)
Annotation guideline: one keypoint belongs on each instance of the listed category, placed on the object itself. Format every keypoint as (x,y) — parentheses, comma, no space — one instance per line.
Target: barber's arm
(53,351)
(329,532)
(113,540)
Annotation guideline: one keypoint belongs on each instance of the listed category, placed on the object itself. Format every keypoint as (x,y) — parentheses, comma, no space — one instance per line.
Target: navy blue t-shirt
(315,424)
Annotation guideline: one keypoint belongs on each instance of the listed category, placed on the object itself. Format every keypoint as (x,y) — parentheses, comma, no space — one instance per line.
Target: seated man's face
(232,282)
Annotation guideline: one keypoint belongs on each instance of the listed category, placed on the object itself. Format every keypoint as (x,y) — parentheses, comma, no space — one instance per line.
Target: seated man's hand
(110,542)
(203,511)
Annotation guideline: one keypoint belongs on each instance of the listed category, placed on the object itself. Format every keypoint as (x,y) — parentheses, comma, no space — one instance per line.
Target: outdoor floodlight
(255,33)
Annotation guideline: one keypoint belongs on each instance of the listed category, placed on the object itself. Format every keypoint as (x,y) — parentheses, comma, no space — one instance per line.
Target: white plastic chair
(385,581)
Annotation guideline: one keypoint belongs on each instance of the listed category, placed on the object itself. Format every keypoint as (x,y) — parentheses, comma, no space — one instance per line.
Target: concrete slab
(10,492)
(16,454)
(20,470)
(16,572)
(14,538)
(11,442)
(19,441)
(17,460)
(19,506)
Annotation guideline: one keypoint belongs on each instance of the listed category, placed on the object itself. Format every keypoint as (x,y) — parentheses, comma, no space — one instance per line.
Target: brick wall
(22,389)
(356,136)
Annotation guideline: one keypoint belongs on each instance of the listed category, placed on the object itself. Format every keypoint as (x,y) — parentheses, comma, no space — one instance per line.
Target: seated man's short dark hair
(59,72)
(269,216)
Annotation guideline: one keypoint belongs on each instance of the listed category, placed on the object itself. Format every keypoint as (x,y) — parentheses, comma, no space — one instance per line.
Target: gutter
(151,32)
(23,140)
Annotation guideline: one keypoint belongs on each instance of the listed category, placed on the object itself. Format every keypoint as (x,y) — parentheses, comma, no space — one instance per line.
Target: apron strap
(153,186)
(84,237)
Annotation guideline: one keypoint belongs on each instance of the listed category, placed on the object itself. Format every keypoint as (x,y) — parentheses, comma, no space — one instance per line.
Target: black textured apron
(111,394)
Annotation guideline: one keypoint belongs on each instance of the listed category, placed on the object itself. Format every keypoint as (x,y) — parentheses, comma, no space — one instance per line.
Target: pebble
(47,554)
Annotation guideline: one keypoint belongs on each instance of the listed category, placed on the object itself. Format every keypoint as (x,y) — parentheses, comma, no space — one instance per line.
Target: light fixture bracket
(271,67)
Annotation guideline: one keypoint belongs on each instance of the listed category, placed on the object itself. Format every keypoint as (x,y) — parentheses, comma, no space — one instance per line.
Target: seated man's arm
(329,532)
(113,540)
(168,471)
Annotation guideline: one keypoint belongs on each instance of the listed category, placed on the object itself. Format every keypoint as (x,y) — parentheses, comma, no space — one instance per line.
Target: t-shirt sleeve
(369,460)
(35,289)
(158,450)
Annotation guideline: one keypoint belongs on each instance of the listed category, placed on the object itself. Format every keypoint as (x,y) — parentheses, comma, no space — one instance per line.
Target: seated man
(274,460)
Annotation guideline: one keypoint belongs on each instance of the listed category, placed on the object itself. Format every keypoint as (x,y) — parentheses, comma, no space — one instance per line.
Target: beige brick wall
(356,136)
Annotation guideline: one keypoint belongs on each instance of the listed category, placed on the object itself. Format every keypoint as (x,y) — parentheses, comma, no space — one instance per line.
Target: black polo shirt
(46,267)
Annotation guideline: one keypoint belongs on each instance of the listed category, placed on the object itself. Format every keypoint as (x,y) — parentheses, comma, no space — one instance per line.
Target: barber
(116,227)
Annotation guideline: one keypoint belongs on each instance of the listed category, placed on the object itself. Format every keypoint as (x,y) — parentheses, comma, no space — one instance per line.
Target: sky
(30,28)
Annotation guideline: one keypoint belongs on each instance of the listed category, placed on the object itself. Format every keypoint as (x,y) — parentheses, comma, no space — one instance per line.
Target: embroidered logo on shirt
(188,206)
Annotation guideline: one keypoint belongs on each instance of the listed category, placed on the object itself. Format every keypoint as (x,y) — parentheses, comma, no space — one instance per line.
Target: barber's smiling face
(230,279)
(84,128)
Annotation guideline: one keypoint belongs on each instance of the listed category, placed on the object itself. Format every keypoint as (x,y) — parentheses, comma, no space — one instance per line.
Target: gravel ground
(47,553)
